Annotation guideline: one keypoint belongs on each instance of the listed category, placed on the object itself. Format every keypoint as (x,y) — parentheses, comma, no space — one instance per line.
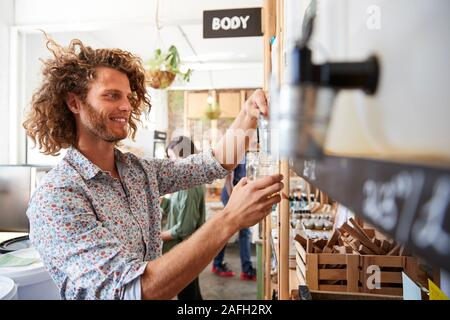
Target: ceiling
(140,26)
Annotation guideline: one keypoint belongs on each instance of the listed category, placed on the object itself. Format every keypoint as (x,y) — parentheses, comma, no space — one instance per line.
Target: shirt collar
(85,167)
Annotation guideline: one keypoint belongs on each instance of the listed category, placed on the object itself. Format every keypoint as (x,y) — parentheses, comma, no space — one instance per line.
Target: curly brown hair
(50,123)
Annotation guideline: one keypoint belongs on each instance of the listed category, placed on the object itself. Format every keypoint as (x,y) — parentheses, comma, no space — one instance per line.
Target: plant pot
(158,79)
(212,115)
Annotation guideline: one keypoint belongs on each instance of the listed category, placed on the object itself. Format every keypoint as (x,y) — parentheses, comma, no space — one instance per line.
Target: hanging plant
(212,111)
(164,67)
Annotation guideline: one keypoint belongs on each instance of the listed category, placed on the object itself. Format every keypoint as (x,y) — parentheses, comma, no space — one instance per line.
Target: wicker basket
(159,79)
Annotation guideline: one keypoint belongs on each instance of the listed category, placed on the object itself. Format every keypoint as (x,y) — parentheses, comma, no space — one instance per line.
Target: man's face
(107,110)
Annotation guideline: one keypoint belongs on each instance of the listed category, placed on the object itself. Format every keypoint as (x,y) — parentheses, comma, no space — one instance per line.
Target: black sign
(232,23)
(161,135)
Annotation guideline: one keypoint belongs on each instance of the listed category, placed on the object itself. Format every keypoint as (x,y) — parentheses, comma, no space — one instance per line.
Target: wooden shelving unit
(407,201)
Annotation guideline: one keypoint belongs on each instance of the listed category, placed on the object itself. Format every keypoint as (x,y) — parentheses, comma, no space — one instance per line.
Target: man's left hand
(256,104)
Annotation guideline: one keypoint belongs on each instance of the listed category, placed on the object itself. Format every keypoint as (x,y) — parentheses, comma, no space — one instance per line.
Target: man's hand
(251,201)
(256,104)
(231,148)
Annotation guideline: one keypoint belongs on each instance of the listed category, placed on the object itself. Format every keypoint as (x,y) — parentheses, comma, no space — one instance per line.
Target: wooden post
(269,16)
(269,24)
(283,232)
(284,235)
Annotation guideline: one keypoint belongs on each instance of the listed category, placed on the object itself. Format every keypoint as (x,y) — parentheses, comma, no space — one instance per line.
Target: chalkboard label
(244,22)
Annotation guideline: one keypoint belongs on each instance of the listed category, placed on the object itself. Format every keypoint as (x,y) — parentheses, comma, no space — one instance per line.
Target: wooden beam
(268,22)
(283,293)
(284,235)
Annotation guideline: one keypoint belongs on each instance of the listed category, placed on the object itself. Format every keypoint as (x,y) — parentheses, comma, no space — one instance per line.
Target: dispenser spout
(307,99)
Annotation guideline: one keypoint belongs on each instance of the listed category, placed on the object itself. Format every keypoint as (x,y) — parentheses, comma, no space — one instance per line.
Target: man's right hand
(252,201)
(249,202)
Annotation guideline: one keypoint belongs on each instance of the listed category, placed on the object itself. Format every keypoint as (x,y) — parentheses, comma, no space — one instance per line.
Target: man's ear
(73,103)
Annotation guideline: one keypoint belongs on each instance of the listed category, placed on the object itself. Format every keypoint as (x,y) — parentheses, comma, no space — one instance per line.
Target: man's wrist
(229,222)
(249,121)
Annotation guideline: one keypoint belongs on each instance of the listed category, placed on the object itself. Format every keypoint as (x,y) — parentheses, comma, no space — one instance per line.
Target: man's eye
(112,96)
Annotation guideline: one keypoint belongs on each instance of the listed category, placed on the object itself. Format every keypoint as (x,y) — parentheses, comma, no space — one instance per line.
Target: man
(95,217)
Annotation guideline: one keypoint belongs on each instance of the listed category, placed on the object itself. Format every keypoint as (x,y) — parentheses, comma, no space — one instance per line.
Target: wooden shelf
(409,202)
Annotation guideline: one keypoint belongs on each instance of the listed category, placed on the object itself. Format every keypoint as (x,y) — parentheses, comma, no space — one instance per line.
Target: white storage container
(407,119)
(8,289)
(33,281)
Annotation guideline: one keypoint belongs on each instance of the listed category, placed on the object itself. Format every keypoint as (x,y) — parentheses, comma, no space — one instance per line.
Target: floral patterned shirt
(94,232)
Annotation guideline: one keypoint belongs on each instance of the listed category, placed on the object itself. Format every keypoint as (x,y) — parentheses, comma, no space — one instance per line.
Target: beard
(97,124)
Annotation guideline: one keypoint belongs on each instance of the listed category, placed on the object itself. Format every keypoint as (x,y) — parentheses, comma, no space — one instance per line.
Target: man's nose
(125,105)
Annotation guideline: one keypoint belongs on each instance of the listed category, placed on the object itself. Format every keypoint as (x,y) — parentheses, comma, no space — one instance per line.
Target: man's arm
(165,276)
(174,175)
(230,150)
(90,262)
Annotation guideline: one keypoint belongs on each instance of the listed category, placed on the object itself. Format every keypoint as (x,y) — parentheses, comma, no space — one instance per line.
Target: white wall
(6,20)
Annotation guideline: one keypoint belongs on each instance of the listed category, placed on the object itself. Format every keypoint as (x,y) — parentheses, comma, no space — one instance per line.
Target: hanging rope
(159,43)
(211,83)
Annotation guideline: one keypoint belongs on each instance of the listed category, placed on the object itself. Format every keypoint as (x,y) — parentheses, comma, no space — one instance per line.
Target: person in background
(185,212)
(220,267)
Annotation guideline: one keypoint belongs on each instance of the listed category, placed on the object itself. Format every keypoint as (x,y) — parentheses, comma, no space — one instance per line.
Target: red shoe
(223,271)
(251,276)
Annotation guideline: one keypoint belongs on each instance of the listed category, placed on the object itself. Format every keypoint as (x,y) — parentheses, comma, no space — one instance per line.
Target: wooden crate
(336,295)
(391,268)
(327,271)
(348,272)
